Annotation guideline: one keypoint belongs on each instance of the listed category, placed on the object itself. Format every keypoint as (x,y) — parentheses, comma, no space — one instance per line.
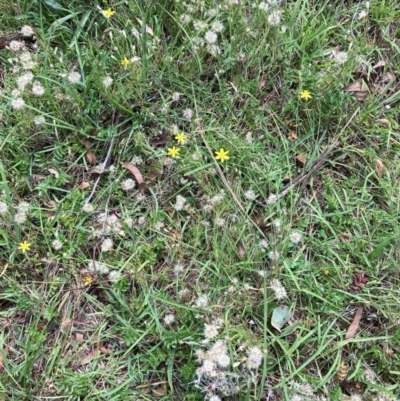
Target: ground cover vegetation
(199,200)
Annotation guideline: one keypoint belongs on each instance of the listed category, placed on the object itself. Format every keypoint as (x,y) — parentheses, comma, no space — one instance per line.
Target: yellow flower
(24,246)
(125,62)
(87,280)
(181,137)
(222,155)
(108,13)
(173,152)
(326,272)
(305,95)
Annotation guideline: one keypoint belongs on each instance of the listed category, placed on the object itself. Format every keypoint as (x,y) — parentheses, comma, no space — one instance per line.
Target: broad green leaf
(280,316)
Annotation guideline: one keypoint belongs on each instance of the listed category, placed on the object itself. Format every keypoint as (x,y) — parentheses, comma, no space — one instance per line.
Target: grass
(303,214)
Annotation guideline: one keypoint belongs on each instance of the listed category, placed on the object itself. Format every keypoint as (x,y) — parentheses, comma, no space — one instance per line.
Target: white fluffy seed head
(3,208)
(114,276)
(88,208)
(27,31)
(107,245)
(37,89)
(169,319)
(74,77)
(254,358)
(20,217)
(128,184)
(56,244)
(39,120)
(295,237)
(107,81)
(15,46)
(18,103)
(180,202)
(274,18)
(24,80)
(210,331)
(211,37)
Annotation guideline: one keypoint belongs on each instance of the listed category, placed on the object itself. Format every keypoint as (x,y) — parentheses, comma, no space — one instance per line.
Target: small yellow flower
(305,95)
(181,137)
(87,280)
(24,246)
(173,152)
(125,62)
(108,13)
(222,155)
(326,272)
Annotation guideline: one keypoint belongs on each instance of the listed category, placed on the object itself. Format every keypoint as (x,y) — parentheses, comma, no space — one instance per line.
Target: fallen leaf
(344,237)
(51,204)
(105,350)
(86,143)
(159,392)
(84,185)
(88,358)
(34,179)
(389,76)
(384,121)
(280,316)
(352,330)
(139,178)
(55,172)
(301,160)
(78,337)
(148,29)
(359,282)
(234,87)
(91,157)
(241,250)
(261,84)
(381,63)
(359,89)
(3,355)
(380,167)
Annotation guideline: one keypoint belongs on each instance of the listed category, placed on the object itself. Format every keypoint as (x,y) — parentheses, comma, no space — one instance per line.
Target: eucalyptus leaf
(280,316)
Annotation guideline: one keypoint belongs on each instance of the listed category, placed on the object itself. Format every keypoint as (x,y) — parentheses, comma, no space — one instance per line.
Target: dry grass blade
(3,355)
(352,330)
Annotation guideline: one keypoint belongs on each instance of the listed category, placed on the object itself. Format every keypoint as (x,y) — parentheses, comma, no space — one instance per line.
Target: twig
(106,162)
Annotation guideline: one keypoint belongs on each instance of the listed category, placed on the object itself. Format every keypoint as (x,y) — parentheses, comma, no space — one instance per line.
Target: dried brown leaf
(86,143)
(234,87)
(380,63)
(301,160)
(352,330)
(105,350)
(360,95)
(380,167)
(34,179)
(88,358)
(159,391)
(55,172)
(134,170)
(241,250)
(384,121)
(84,185)
(78,337)
(389,76)
(51,204)
(91,157)
(148,29)
(262,83)
(353,87)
